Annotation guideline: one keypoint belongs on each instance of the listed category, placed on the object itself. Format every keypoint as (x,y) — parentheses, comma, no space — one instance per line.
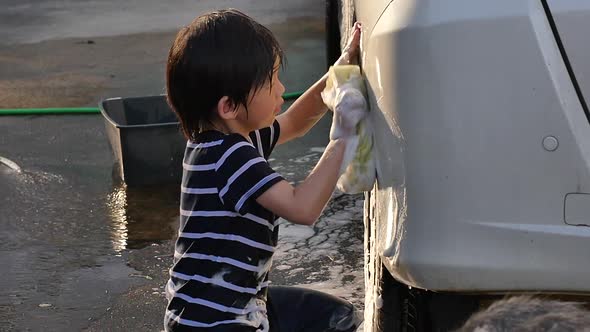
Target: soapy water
(327,256)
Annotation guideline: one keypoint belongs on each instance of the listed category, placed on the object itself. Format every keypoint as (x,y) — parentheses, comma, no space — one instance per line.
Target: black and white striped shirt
(226,239)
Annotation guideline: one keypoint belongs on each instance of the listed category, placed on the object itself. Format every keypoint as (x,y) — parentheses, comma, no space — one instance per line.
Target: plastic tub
(145,138)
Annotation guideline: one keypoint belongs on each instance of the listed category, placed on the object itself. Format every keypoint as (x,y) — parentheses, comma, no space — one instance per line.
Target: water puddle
(54,247)
(327,256)
(142,216)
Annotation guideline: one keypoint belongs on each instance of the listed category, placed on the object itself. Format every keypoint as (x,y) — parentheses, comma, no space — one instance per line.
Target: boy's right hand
(350,52)
(350,105)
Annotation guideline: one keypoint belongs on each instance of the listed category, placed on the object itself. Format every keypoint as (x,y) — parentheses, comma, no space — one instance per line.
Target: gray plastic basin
(145,138)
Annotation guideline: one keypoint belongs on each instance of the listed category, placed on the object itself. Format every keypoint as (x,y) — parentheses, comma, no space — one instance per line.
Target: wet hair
(222,53)
(528,314)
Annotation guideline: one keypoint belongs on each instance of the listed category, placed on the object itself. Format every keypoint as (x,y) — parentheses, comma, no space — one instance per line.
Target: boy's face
(265,103)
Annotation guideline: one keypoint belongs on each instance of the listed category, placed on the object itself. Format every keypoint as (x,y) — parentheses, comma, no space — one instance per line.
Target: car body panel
(370,11)
(465,96)
(572,19)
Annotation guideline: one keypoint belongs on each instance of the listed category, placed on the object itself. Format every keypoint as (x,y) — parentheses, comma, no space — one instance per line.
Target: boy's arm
(304,203)
(308,109)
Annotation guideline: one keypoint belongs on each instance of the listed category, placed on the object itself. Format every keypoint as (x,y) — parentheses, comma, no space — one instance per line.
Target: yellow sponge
(339,75)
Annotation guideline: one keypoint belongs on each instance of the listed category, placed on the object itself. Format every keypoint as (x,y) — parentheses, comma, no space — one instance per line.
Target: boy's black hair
(222,53)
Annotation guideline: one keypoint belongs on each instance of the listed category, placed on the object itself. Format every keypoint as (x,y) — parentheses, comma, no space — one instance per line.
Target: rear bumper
(469,197)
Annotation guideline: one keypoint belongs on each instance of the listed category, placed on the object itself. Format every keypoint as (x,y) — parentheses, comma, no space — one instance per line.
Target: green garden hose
(50,111)
(88,110)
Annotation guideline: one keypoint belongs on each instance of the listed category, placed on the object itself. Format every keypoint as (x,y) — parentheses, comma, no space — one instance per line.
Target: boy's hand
(351,50)
(350,108)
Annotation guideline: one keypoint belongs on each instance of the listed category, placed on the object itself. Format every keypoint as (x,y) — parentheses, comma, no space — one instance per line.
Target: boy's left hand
(349,109)
(351,50)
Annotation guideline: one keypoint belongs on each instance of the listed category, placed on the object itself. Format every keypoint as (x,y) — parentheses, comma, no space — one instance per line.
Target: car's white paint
(465,98)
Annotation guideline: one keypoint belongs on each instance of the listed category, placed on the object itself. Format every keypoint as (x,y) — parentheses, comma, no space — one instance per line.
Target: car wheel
(389,305)
(393,306)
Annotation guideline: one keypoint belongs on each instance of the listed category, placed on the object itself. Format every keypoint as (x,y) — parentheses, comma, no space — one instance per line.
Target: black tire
(333,8)
(391,306)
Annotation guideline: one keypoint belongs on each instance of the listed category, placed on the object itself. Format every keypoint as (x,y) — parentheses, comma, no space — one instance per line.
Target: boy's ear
(226,109)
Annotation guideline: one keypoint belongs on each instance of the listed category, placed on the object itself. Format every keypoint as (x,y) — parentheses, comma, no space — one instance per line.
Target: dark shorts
(296,309)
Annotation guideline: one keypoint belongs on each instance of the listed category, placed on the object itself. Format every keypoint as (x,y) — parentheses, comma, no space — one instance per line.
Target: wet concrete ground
(78,249)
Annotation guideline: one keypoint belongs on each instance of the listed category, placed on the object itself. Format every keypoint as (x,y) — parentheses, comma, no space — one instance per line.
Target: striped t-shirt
(226,239)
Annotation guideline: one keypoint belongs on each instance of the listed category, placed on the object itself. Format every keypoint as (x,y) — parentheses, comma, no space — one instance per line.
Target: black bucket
(145,138)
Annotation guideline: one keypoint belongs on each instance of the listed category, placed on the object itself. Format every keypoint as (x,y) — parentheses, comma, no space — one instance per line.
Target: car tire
(393,306)
(389,305)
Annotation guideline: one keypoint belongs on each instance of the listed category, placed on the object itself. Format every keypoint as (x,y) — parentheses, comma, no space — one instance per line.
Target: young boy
(222,82)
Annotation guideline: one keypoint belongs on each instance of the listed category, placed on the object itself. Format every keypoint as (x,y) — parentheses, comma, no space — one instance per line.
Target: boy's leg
(172,326)
(294,309)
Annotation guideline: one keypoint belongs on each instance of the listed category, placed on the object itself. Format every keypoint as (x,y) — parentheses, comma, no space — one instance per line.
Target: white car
(483,152)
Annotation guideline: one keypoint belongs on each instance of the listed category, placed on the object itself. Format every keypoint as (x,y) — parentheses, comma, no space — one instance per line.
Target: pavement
(79,249)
